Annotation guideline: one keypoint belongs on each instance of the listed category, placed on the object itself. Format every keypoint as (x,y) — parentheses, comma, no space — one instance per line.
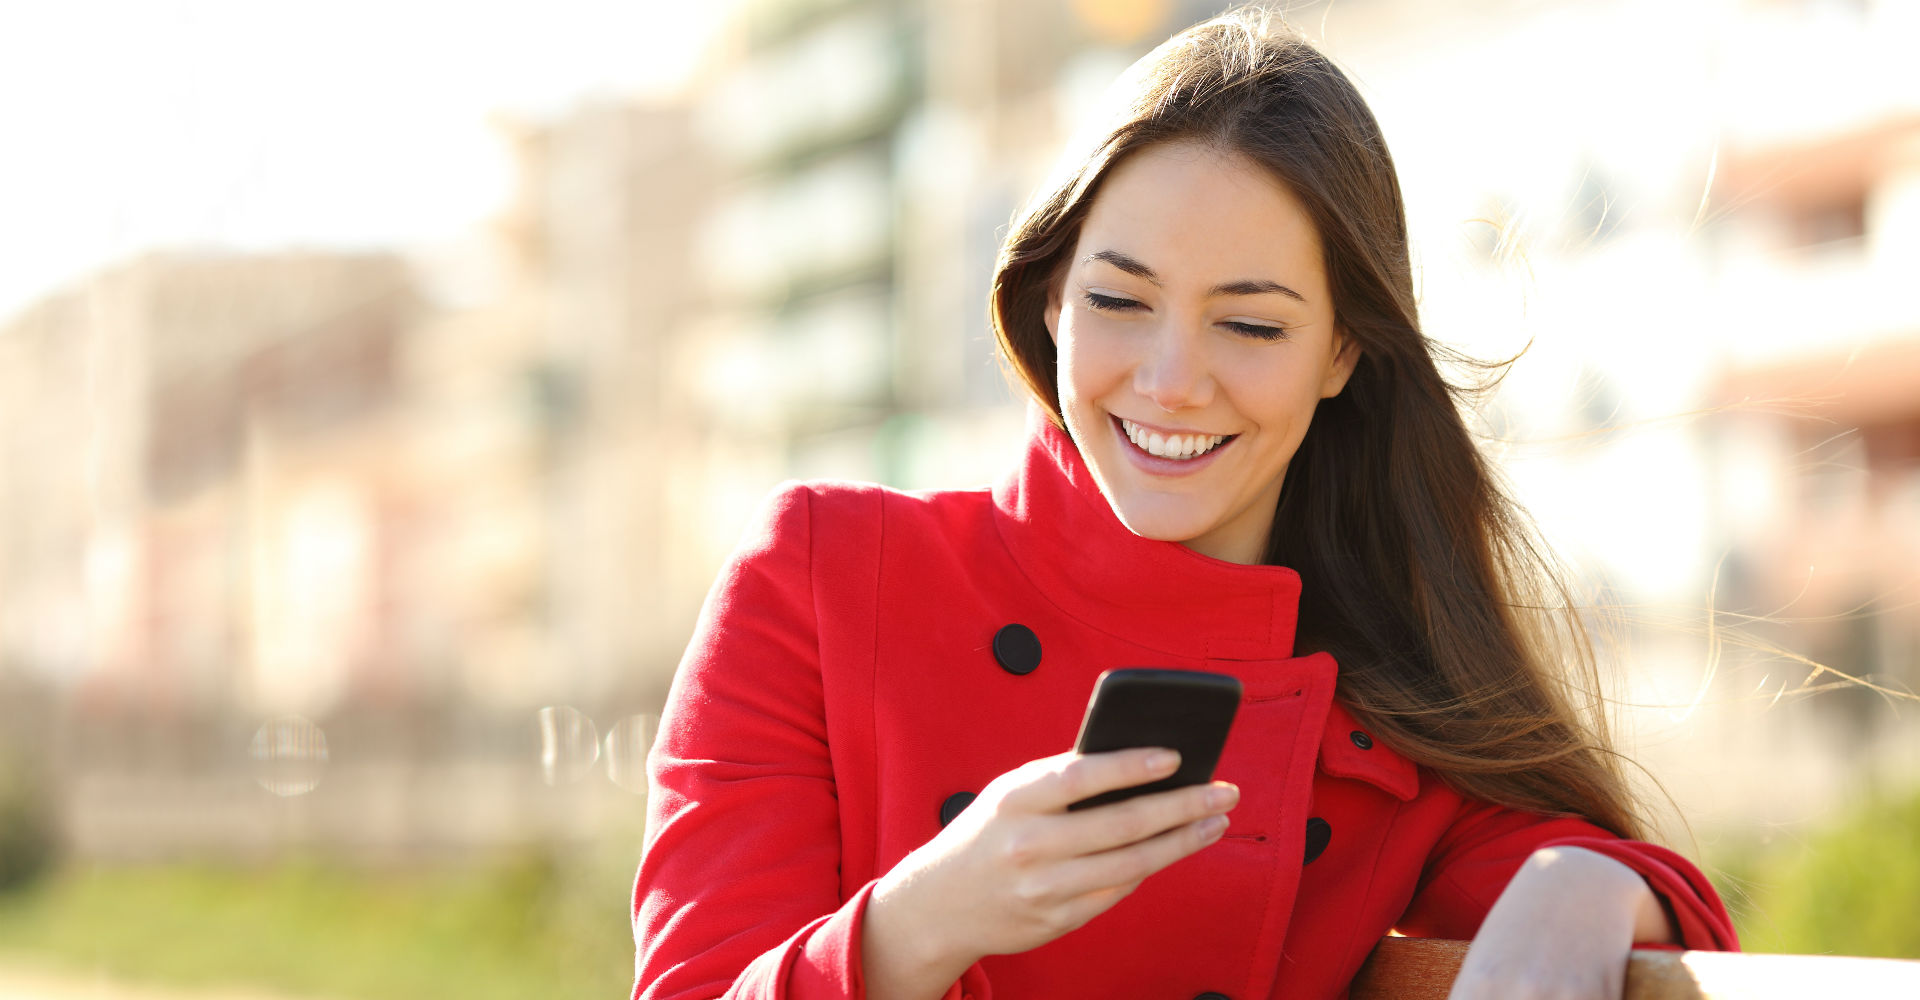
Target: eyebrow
(1245,286)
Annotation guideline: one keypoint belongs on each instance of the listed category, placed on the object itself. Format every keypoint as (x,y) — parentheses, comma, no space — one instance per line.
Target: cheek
(1277,394)
(1090,363)
(1074,371)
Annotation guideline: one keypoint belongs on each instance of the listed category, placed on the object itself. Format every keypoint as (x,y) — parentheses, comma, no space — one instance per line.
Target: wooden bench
(1419,969)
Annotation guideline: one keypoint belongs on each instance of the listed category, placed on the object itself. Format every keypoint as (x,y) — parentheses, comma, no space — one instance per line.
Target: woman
(1247,463)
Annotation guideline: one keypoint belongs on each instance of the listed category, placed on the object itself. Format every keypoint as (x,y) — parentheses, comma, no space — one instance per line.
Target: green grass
(528,925)
(1852,888)
(541,923)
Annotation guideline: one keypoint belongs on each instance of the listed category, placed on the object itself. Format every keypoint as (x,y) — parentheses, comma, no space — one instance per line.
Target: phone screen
(1186,710)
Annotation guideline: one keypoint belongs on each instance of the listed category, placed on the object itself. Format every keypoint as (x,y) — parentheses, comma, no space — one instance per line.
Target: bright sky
(132,124)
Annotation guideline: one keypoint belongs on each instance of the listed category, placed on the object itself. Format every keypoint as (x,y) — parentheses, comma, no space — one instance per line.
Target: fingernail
(1214,827)
(1222,796)
(1163,760)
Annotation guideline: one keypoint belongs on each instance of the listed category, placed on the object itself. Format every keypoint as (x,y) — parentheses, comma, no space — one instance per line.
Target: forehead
(1194,211)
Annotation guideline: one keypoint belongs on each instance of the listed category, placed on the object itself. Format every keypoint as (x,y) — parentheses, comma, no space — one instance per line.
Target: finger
(1118,824)
(1062,836)
(1135,862)
(1061,780)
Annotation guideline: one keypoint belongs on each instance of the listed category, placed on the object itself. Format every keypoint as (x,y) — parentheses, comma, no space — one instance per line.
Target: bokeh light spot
(569,744)
(289,755)
(626,749)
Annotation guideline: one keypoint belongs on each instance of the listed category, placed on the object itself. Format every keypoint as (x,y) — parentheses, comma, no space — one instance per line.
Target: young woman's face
(1195,336)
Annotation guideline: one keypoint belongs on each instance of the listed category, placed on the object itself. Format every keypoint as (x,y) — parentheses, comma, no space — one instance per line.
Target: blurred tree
(1851,890)
(27,835)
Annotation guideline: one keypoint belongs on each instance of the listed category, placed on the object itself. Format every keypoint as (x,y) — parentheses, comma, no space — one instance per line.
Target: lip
(1167,467)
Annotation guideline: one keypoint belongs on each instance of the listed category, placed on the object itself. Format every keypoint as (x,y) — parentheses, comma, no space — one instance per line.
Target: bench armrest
(1423,969)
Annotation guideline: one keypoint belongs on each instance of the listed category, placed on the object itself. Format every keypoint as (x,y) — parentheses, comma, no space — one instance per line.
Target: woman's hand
(1562,931)
(1015,869)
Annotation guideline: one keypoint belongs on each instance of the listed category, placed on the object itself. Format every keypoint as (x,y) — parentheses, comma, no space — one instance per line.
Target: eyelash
(1111,303)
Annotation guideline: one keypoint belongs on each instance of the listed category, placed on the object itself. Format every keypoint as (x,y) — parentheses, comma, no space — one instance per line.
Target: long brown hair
(1455,634)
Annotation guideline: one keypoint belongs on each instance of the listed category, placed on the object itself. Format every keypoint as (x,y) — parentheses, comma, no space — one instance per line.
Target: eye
(1259,331)
(1113,302)
(1116,303)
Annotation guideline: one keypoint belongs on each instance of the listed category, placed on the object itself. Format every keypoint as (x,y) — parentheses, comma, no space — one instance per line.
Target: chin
(1159,524)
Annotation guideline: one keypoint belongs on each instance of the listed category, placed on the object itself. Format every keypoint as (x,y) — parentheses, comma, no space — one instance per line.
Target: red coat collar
(1161,595)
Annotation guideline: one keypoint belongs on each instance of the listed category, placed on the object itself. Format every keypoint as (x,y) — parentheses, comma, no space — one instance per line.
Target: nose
(1174,373)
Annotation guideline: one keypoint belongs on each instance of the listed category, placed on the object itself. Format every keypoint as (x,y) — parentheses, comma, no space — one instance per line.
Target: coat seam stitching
(1366,895)
(820,665)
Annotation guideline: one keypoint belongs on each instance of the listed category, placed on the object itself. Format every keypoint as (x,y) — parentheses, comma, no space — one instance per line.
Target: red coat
(842,687)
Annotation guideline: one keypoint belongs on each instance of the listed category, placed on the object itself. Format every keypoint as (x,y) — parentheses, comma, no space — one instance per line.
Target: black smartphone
(1187,710)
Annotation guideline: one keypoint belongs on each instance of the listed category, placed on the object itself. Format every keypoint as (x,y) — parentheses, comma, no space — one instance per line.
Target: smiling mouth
(1174,447)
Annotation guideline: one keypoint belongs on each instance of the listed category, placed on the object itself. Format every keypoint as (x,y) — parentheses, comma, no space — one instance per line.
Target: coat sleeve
(1478,855)
(738,892)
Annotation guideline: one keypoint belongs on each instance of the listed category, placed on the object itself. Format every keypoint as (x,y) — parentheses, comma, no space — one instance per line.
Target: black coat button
(1017,649)
(1319,834)
(952,806)
(1361,740)
(1211,996)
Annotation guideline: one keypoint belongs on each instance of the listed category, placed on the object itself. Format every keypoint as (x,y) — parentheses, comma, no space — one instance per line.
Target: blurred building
(597,296)
(237,491)
(200,474)
(1703,255)
(308,547)
(1817,455)
(204,511)
(873,152)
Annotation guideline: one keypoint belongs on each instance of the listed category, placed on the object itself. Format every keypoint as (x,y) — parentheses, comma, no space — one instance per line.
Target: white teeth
(1177,446)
